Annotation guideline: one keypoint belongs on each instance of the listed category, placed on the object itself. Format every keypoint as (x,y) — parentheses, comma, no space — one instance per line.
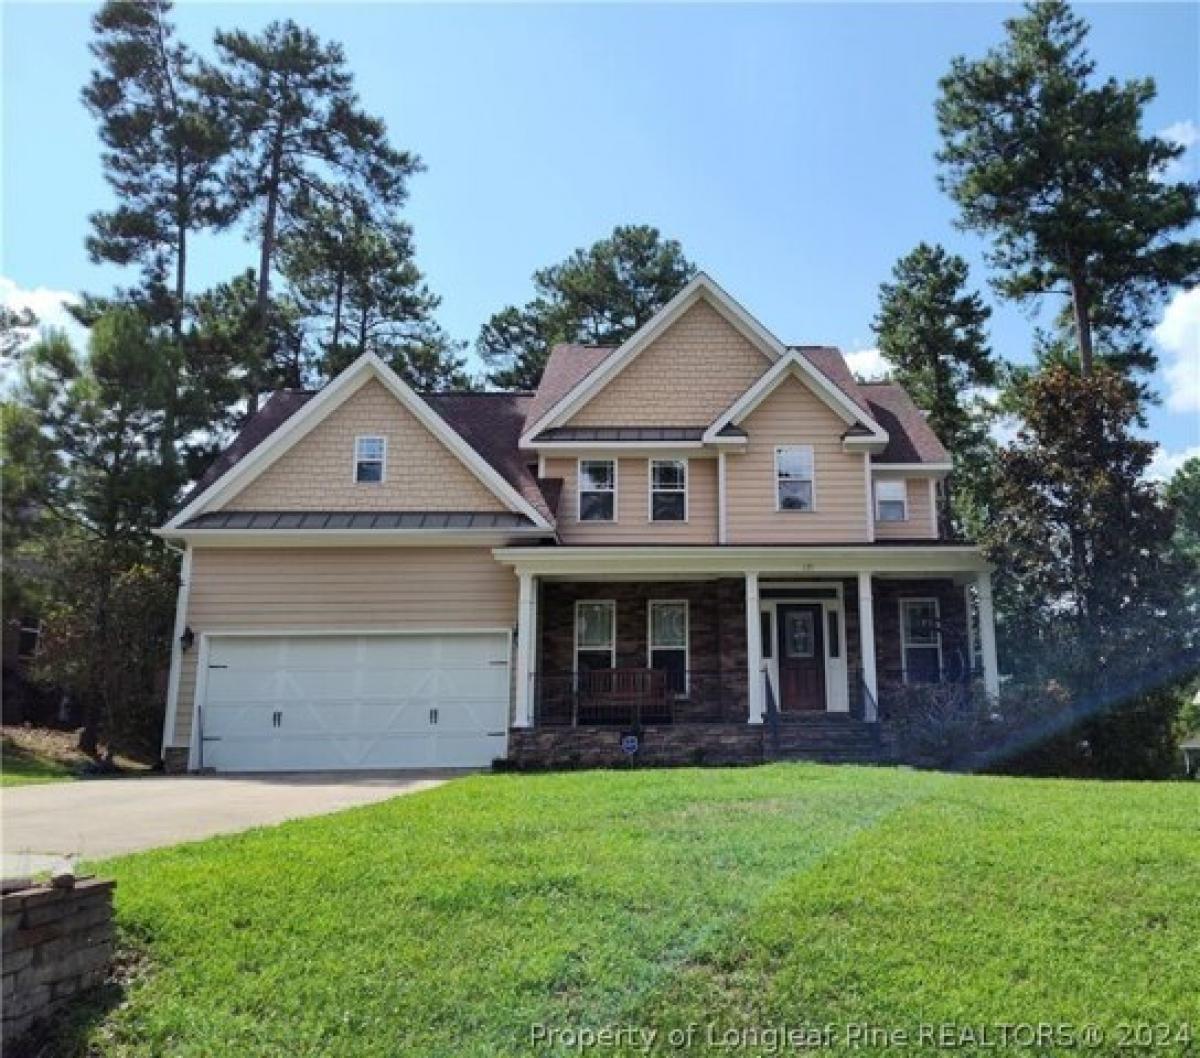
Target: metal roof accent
(340,520)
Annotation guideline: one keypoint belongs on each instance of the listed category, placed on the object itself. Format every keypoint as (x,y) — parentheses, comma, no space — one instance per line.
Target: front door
(801,657)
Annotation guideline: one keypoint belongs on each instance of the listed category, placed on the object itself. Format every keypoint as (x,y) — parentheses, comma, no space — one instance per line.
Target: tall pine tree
(932,329)
(1054,167)
(598,296)
(298,127)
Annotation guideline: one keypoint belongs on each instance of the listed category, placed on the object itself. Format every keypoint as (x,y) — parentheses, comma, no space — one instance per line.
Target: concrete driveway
(91,819)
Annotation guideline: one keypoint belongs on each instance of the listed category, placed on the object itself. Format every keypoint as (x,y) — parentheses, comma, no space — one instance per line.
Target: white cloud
(49,306)
(1185,134)
(1164,464)
(1179,336)
(869,364)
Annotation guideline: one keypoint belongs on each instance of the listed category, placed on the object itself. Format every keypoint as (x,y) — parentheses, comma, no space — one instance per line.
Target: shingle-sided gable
(686,376)
(317,472)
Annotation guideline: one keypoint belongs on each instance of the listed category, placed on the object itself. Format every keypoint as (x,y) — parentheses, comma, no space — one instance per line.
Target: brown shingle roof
(910,439)
(567,366)
(491,423)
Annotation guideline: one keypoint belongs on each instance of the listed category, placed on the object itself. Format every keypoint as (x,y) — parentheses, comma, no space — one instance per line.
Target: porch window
(891,501)
(794,478)
(921,640)
(597,490)
(595,635)
(370,454)
(668,641)
(668,490)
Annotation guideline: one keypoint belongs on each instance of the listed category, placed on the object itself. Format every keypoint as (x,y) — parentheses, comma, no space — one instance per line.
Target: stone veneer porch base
(698,744)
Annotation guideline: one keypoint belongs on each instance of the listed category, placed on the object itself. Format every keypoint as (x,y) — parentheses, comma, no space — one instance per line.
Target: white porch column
(526,649)
(987,635)
(754,679)
(866,631)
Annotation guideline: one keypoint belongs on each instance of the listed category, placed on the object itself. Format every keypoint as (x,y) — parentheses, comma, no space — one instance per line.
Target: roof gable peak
(701,286)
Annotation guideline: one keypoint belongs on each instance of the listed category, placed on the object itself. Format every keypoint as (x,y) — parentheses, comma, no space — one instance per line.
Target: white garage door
(341,702)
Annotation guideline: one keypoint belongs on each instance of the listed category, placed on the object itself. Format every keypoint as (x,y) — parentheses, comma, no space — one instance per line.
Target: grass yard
(450,922)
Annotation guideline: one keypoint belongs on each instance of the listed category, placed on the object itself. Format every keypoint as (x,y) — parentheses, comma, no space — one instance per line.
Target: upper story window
(597,490)
(794,478)
(668,490)
(891,501)
(370,455)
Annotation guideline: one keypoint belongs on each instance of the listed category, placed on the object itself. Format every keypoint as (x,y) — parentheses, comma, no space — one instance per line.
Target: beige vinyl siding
(793,414)
(920,524)
(340,589)
(633,525)
(686,377)
(317,473)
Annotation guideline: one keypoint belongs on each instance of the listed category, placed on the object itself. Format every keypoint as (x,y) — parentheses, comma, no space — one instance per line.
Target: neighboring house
(706,539)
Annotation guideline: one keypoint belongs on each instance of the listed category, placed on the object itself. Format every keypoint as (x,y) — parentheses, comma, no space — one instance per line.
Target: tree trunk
(339,291)
(1083,323)
(265,257)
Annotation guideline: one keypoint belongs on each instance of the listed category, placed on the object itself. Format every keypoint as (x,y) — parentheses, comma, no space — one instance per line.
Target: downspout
(173,678)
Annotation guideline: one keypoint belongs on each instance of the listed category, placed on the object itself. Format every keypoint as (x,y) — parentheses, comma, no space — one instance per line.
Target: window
(369,456)
(29,632)
(597,490)
(921,640)
(794,478)
(668,490)
(595,635)
(668,641)
(891,501)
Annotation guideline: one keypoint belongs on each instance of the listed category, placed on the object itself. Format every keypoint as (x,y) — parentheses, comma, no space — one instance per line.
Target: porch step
(830,739)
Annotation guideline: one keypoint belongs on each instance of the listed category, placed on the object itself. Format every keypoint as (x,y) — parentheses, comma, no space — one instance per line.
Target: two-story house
(678,547)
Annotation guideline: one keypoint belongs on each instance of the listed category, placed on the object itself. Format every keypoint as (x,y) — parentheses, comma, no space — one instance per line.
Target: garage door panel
(355,701)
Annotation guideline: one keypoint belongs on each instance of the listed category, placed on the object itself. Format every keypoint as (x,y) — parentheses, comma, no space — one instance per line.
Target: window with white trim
(370,455)
(891,501)
(794,478)
(921,640)
(667,641)
(595,635)
(597,490)
(668,490)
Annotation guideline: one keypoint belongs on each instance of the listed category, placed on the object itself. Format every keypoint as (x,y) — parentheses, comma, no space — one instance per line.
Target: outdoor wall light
(188,638)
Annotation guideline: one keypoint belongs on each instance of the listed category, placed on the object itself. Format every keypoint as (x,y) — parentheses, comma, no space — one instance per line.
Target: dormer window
(794,478)
(891,501)
(370,455)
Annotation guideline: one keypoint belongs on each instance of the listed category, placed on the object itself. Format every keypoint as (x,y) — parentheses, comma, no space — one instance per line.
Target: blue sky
(789,147)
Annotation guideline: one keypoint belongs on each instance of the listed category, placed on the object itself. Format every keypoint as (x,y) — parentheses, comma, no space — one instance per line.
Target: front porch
(709,665)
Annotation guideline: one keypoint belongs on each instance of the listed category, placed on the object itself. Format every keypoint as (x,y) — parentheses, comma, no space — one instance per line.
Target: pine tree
(297,126)
(932,329)
(1055,169)
(598,296)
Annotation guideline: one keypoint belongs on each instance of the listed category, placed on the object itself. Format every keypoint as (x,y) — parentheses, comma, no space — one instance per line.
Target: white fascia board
(340,390)
(282,538)
(700,286)
(635,561)
(795,363)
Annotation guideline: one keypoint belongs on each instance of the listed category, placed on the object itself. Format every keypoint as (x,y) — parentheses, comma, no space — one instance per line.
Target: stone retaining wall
(600,747)
(57,943)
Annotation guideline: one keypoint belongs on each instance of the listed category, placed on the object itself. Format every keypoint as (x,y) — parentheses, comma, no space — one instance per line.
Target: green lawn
(21,767)
(450,922)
